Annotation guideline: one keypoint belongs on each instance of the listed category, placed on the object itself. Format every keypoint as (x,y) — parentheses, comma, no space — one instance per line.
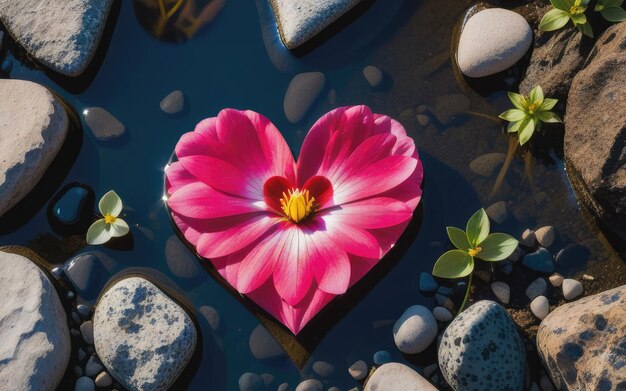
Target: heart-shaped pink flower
(292,236)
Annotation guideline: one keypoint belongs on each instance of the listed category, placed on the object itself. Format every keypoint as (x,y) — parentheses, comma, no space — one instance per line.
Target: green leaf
(548,104)
(549,117)
(477,227)
(554,20)
(458,238)
(579,18)
(612,3)
(614,14)
(536,95)
(518,100)
(453,264)
(98,233)
(110,204)
(497,247)
(118,228)
(526,132)
(513,115)
(516,126)
(585,29)
(563,5)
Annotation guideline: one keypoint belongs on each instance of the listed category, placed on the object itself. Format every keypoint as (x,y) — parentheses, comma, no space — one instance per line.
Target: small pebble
(93,366)
(81,354)
(83,310)
(283,387)
(57,272)
(267,378)
(310,385)
(7,65)
(211,315)
(427,283)
(540,307)
(78,371)
(539,261)
(556,280)
(104,380)
(251,382)
(536,288)
(444,301)
(442,314)
(323,368)
(373,75)
(545,235)
(572,289)
(76,318)
(502,290)
(84,384)
(430,369)
(422,119)
(528,238)
(70,295)
(484,275)
(546,384)
(588,277)
(445,291)
(358,370)
(103,124)
(382,357)
(498,212)
(86,330)
(517,254)
(334,389)
(173,103)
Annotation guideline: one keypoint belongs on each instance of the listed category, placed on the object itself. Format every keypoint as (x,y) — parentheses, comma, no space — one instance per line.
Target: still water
(237,61)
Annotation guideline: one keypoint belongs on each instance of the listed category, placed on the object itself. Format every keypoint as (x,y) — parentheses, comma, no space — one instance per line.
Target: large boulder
(33,127)
(481,350)
(397,377)
(34,338)
(583,344)
(142,336)
(595,131)
(62,35)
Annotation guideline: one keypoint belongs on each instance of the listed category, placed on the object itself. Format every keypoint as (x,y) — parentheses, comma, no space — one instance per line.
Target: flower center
(474,251)
(532,108)
(297,205)
(109,219)
(576,10)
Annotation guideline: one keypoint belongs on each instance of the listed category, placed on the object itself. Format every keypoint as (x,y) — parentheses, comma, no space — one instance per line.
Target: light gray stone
(251,382)
(93,367)
(502,290)
(263,345)
(143,338)
(33,127)
(302,91)
(540,307)
(103,124)
(34,338)
(482,350)
(179,260)
(86,330)
(211,315)
(498,212)
(310,385)
(323,368)
(62,35)
(373,75)
(492,40)
(572,289)
(299,21)
(415,330)
(536,288)
(545,235)
(358,370)
(442,314)
(486,165)
(104,380)
(173,103)
(397,377)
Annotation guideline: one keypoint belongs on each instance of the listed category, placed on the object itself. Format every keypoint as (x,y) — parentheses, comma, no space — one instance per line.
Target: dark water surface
(237,61)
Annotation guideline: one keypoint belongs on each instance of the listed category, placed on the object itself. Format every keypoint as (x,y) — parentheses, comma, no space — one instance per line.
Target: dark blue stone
(88,273)
(382,357)
(7,65)
(67,209)
(427,283)
(446,291)
(539,261)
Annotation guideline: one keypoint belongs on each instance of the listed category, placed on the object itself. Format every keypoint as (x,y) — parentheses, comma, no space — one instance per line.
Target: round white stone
(415,330)
(572,289)
(502,291)
(540,307)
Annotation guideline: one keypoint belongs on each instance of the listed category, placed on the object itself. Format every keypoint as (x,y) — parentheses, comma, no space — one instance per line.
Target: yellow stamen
(297,205)
(576,10)
(474,251)
(532,108)
(109,219)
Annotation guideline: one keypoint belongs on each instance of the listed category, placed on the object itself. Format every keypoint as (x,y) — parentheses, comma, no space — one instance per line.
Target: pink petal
(293,272)
(176,177)
(347,237)
(258,262)
(330,264)
(197,200)
(385,124)
(376,212)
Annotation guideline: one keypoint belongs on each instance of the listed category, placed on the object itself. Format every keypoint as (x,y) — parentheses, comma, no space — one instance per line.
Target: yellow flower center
(474,251)
(109,219)
(531,108)
(297,205)
(576,10)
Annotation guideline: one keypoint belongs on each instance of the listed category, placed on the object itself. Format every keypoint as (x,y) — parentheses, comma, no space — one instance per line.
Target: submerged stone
(539,261)
(67,210)
(303,89)
(103,124)
(427,283)
(173,103)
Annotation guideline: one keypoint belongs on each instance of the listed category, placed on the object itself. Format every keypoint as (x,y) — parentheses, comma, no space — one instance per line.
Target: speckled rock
(62,35)
(583,344)
(33,127)
(397,377)
(492,40)
(34,339)
(415,330)
(302,91)
(482,350)
(142,337)
(299,21)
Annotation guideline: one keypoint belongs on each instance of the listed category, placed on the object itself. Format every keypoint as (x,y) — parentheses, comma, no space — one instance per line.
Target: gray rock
(267,378)
(173,103)
(556,280)
(86,330)
(540,307)
(63,35)
(595,130)
(310,385)
(283,387)
(502,290)
(84,384)
(263,345)
(545,235)
(302,20)
(35,347)
(211,315)
(382,357)
(427,283)
(415,330)
(323,368)
(536,288)
(486,165)
(33,127)
(251,382)
(444,301)
(373,75)
(89,272)
(539,261)
(492,40)
(83,310)
(179,260)
(358,370)
(582,344)
(442,314)
(498,212)
(572,289)
(103,124)
(397,377)
(104,380)
(303,90)
(481,349)
(93,367)
(529,238)
(142,336)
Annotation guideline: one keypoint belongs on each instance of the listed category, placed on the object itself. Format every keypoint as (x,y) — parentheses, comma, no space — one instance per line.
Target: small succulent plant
(563,12)
(110,225)
(611,10)
(529,113)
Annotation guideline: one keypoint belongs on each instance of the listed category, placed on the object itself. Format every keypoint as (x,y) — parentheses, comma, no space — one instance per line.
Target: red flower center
(297,204)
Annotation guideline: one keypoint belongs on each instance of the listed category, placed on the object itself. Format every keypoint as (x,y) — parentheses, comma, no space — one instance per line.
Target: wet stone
(482,350)
(103,124)
(498,212)
(70,208)
(415,330)
(93,366)
(427,283)
(502,290)
(89,272)
(373,75)
(556,280)
(104,380)
(310,385)
(211,315)
(442,314)
(323,368)
(86,330)
(528,238)
(536,288)
(540,307)
(302,91)
(251,382)
(358,370)
(382,357)
(84,384)
(173,103)
(486,165)
(539,261)
(263,345)
(545,236)
(179,260)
